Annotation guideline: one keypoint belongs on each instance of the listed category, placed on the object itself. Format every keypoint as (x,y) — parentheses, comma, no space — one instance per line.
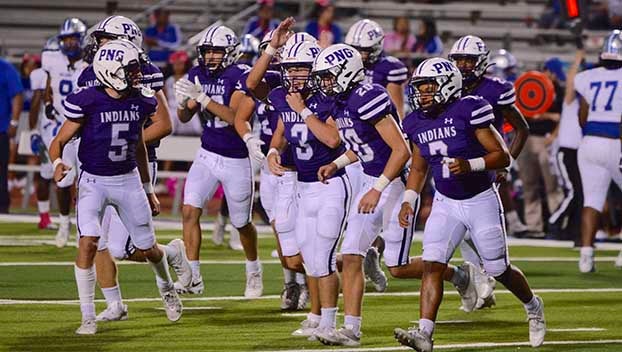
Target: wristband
(381,183)
(203,99)
(14,123)
(148,187)
(247,136)
(342,161)
(477,164)
(410,197)
(305,113)
(56,162)
(272,151)
(270,50)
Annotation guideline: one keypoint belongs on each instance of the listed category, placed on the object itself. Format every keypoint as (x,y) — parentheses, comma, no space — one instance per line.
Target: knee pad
(504,277)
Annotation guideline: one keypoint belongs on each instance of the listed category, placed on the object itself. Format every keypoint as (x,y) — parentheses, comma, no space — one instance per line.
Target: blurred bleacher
(25,24)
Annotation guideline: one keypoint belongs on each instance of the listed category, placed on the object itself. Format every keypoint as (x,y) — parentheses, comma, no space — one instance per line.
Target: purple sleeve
(480,113)
(371,102)
(75,104)
(153,77)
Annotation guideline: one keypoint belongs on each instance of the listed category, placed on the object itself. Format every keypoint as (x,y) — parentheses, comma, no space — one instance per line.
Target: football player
(223,157)
(110,120)
(455,137)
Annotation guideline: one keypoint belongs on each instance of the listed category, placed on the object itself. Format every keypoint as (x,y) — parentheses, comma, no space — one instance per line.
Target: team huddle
(341,169)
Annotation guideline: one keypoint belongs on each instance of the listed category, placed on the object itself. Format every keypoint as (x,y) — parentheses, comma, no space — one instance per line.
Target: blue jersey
(498,93)
(387,69)
(152,78)
(218,136)
(309,152)
(356,115)
(110,128)
(452,135)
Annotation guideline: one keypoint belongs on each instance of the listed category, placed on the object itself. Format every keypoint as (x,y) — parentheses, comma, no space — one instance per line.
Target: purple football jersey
(110,128)
(218,136)
(387,69)
(152,78)
(452,135)
(309,152)
(356,115)
(498,93)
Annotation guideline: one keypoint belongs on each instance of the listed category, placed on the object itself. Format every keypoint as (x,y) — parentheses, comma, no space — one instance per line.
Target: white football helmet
(368,36)
(435,70)
(117,65)
(502,64)
(342,64)
(301,54)
(297,38)
(51,44)
(474,48)
(263,44)
(115,27)
(71,27)
(219,38)
(612,48)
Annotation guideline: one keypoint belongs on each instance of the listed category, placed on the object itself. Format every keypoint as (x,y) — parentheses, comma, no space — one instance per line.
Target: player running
(110,120)
(455,137)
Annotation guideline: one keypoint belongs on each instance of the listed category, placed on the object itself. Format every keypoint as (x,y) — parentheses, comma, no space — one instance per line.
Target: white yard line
(195,308)
(268,297)
(575,329)
(462,346)
(446,321)
(274,261)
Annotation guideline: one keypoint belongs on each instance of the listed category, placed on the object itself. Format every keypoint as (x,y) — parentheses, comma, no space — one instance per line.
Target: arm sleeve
(481,115)
(397,72)
(74,105)
(373,104)
(508,95)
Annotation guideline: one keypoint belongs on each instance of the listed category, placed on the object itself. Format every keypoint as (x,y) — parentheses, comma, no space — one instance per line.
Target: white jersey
(63,76)
(602,90)
(569,130)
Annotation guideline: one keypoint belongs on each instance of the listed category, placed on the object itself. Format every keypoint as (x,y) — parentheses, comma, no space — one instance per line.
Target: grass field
(39,311)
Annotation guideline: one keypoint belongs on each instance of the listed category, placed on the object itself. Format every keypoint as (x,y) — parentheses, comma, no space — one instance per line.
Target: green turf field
(38,309)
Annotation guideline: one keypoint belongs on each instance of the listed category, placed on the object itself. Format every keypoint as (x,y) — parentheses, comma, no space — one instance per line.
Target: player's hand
(50,112)
(154,204)
(61,171)
(369,201)
(406,214)
(194,91)
(274,164)
(325,172)
(253,144)
(282,32)
(35,143)
(12,131)
(295,102)
(457,166)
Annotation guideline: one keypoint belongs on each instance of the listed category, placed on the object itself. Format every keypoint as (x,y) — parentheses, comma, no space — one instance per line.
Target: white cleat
(306,329)
(415,339)
(586,263)
(468,294)
(88,327)
(537,325)
(485,286)
(341,337)
(304,297)
(172,305)
(619,261)
(254,285)
(115,312)
(62,235)
(373,271)
(234,240)
(195,288)
(290,296)
(179,262)
(218,236)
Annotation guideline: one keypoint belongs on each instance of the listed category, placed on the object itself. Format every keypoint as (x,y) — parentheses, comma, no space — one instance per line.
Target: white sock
(426,326)
(64,219)
(314,317)
(170,251)
(112,294)
(587,251)
(301,279)
(288,276)
(195,265)
(163,277)
(43,206)
(328,319)
(532,305)
(253,266)
(85,281)
(353,323)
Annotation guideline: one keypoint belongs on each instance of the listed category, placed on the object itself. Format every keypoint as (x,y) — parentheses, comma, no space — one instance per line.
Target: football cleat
(115,312)
(304,297)
(307,328)
(179,262)
(195,288)
(373,271)
(586,263)
(334,337)
(537,325)
(290,296)
(88,327)
(415,339)
(254,285)
(62,236)
(172,305)
(485,286)
(218,236)
(468,294)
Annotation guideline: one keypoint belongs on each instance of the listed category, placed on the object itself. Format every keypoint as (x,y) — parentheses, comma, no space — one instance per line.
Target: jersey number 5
(119,152)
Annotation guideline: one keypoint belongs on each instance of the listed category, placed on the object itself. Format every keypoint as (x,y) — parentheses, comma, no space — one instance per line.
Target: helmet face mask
(211,56)
(422,94)
(326,81)
(296,78)
(435,83)
(467,65)
(70,45)
(117,66)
